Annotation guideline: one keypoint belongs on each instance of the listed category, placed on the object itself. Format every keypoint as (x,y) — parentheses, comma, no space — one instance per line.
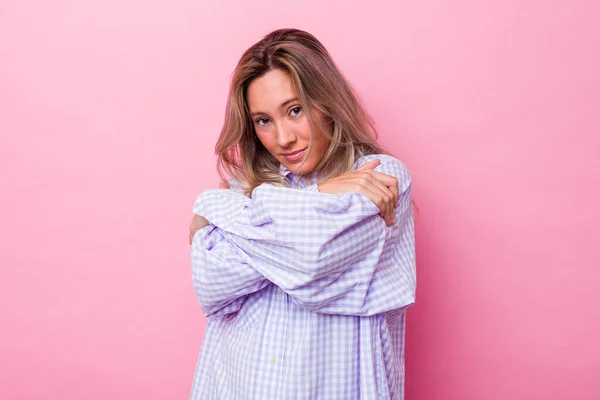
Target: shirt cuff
(221,207)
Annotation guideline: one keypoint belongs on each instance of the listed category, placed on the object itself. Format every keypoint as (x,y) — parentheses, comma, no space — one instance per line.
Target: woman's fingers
(389,185)
(380,195)
(388,180)
(198,222)
(379,187)
(388,199)
(193,228)
(369,165)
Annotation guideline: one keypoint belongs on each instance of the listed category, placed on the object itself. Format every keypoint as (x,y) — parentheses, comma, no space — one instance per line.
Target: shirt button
(273,359)
(280,295)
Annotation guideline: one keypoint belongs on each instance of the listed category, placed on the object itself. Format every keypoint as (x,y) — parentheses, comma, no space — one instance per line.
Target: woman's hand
(380,188)
(199,222)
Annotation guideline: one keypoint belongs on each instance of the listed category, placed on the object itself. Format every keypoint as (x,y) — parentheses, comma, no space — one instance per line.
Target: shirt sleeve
(222,279)
(222,274)
(331,253)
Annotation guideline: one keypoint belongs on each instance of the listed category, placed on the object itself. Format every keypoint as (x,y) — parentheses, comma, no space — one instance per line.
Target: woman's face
(281,124)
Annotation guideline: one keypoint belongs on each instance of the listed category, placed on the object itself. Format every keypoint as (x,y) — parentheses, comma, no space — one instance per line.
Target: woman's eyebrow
(285,103)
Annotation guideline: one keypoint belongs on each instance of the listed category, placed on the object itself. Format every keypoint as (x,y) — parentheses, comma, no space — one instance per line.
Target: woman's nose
(285,135)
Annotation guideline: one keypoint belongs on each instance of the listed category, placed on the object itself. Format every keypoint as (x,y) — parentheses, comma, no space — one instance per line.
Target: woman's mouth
(295,155)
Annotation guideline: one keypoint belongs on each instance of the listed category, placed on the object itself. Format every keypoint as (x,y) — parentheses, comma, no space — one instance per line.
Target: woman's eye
(295,111)
(262,121)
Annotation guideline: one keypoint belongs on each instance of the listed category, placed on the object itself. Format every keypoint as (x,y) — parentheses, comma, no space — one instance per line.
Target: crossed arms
(331,253)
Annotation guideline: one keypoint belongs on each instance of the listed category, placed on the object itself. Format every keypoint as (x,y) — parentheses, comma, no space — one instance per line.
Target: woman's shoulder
(387,162)
(370,157)
(389,165)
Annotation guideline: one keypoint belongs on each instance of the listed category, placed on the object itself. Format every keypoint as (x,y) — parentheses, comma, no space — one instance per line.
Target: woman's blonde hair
(318,84)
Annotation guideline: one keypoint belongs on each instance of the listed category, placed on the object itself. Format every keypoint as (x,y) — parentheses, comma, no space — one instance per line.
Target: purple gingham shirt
(305,292)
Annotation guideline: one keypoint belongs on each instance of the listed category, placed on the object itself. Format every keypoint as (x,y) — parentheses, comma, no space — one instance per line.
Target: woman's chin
(300,170)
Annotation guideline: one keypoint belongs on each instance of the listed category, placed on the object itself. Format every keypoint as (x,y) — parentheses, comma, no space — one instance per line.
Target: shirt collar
(283,170)
(293,178)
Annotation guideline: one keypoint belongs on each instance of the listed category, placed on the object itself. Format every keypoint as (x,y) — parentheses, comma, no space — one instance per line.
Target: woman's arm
(222,280)
(331,253)
(221,277)
(199,222)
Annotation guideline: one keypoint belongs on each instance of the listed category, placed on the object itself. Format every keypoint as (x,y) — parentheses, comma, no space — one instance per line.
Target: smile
(296,155)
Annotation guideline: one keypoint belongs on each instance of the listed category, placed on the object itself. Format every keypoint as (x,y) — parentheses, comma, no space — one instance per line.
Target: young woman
(303,260)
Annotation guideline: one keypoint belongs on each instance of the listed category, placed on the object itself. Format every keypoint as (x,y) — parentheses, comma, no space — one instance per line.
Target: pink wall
(109,112)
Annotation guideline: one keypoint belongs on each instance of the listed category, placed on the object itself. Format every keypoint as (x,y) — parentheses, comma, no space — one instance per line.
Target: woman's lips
(295,156)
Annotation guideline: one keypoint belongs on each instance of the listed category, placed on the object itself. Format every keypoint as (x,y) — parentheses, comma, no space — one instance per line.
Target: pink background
(109,112)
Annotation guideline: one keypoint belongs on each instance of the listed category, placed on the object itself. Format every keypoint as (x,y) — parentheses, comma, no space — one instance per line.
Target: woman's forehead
(270,92)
